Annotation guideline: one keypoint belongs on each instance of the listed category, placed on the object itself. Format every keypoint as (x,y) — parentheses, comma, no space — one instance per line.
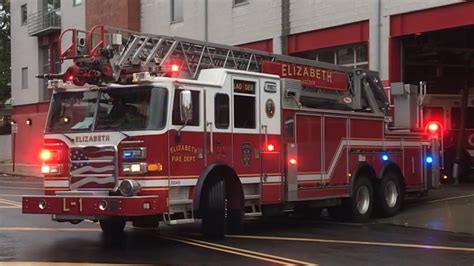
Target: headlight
(133,154)
(51,169)
(103,205)
(134,168)
(129,187)
(42,204)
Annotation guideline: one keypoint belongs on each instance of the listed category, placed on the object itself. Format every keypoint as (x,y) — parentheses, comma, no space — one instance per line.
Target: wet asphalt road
(34,238)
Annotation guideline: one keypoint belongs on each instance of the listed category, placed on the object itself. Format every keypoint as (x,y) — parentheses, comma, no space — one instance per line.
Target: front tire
(146,222)
(389,195)
(112,226)
(213,217)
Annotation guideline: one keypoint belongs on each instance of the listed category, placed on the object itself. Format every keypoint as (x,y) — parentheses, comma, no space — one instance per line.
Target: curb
(20,174)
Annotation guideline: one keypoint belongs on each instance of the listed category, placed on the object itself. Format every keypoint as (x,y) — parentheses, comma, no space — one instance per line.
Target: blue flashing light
(429,159)
(127,154)
(385,157)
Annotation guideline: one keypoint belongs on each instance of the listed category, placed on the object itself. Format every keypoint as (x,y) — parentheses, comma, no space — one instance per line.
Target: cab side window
(221,110)
(244,104)
(176,119)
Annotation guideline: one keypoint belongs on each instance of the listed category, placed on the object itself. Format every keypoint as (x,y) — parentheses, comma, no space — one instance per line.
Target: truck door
(219,132)
(245,127)
(186,144)
(270,141)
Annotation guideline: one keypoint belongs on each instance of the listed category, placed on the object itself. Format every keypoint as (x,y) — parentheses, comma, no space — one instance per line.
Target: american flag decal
(92,168)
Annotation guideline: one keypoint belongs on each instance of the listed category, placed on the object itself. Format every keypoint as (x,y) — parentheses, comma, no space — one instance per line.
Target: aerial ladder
(129,50)
(106,54)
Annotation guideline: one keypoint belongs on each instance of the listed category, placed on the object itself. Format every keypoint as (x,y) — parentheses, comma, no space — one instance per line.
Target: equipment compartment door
(309,152)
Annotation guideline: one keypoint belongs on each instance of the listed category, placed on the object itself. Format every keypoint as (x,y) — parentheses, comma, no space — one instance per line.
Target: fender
(387,167)
(229,174)
(361,167)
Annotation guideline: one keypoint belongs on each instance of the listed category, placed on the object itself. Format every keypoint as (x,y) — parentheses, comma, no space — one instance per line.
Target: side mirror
(186,106)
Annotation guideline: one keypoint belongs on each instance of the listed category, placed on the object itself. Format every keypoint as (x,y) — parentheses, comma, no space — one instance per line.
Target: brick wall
(116,13)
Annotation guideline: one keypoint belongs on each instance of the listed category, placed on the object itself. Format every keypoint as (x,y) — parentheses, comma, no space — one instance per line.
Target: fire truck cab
(219,133)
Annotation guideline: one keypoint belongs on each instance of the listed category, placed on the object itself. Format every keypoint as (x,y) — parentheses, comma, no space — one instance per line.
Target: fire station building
(405,40)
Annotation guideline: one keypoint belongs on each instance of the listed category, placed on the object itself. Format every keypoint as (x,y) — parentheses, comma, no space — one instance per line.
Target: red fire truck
(149,128)
(446,108)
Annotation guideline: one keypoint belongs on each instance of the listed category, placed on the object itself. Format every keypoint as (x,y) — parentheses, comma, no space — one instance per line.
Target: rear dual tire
(357,208)
(389,195)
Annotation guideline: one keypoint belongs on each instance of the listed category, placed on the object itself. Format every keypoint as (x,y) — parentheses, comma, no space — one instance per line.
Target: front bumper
(93,205)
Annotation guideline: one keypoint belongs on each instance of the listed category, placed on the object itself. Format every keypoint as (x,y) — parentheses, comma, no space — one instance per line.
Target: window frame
(242,2)
(256,104)
(24,15)
(173,18)
(216,124)
(24,78)
(76,3)
(334,50)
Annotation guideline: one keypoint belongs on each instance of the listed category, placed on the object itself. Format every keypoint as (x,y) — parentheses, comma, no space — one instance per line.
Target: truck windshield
(123,108)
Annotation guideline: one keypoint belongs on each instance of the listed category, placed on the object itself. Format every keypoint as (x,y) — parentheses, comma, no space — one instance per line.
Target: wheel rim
(363,199)
(391,194)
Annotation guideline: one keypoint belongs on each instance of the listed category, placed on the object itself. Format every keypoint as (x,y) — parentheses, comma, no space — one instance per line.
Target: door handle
(209,124)
(265,130)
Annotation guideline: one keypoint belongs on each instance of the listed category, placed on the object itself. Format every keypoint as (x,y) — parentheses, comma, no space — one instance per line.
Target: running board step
(181,201)
(180,221)
(251,197)
(253,214)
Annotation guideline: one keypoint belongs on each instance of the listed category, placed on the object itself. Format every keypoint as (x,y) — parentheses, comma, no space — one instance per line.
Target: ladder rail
(153,52)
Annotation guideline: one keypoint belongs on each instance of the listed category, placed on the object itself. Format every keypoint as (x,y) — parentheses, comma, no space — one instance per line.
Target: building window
(24,14)
(176,10)
(77,3)
(221,111)
(50,5)
(352,56)
(240,2)
(24,78)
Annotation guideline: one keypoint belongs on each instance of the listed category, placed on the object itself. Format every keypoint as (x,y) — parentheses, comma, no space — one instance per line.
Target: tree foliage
(5,63)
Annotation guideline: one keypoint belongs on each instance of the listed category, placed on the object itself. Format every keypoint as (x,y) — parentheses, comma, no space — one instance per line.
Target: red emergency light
(49,155)
(45,155)
(71,73)
(174,68)
(433,127)
(270,147)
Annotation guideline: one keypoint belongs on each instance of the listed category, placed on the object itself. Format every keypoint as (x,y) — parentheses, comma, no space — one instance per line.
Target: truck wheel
(146,222)
(360,205)
(234,221)
(464,165)
(213,216)
(112,226)
(389,195)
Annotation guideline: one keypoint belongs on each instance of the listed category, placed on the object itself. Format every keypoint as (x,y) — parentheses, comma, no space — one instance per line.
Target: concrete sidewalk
(29,170)
(446,209)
